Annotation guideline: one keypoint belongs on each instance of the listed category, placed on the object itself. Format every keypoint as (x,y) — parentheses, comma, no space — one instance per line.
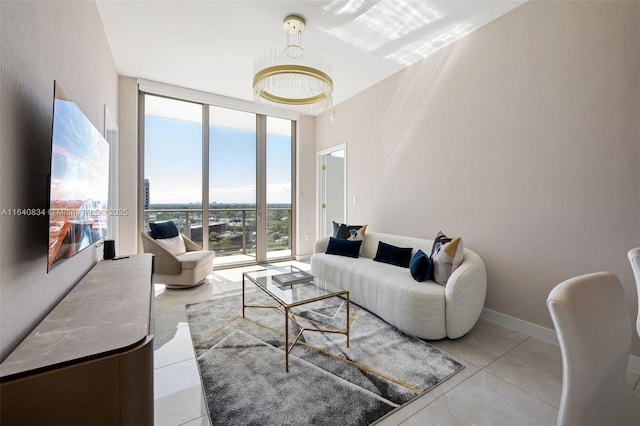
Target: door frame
(321,186)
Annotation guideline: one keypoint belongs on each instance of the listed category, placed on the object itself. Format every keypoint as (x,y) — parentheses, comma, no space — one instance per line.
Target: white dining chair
(591,318)
(634,259)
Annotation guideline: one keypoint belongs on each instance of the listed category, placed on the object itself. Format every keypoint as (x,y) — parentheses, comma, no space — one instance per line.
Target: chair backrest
(591,318)
(634,258)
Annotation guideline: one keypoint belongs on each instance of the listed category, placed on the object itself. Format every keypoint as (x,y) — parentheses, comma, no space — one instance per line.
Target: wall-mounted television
(79,181)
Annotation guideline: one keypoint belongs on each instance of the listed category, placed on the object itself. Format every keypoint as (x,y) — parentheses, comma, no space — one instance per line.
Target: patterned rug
(242,364)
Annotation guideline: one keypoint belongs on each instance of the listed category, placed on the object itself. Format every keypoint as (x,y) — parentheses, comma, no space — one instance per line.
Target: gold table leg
(348,325)
(243,304)
(286,339)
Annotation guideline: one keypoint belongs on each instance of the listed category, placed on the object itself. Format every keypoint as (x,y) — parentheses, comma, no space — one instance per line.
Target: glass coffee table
(304,291)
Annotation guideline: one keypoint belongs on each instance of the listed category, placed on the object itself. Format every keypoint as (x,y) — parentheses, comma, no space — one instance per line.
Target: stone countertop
(108,311)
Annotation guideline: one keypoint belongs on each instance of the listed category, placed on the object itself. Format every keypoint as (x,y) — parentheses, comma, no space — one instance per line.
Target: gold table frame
(265,284)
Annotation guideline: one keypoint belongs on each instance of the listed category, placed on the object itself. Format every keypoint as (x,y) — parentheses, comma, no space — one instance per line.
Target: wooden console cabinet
(90,361)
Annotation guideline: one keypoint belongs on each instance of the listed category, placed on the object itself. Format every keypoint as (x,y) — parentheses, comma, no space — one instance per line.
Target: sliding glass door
(232,167)
(278,187)
(232,185)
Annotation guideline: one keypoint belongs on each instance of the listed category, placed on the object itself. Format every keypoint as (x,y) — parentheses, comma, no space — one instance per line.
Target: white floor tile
(200,421)
(170,316)
(485,343)
(485,399)
(178,394)
(534,366)
(171,346)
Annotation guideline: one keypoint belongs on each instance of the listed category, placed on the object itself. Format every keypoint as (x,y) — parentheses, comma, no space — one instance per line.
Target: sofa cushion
(174,245)
(446,257)
(193,259)
(162,230)
(399,256)
(343,247)
(420,266)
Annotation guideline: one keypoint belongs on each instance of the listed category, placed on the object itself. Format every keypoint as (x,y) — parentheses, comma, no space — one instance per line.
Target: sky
(173,157)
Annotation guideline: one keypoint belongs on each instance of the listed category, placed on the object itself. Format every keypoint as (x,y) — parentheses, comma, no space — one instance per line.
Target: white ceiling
(211,45)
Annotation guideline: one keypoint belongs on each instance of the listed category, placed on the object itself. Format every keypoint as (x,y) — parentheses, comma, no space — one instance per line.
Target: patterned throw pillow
(447,254)
(349,232)
(440,240)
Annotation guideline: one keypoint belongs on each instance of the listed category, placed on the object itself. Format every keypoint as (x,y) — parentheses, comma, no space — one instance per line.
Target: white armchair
(188,269)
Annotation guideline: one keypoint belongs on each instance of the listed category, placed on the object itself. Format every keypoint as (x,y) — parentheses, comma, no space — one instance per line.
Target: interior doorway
(332,188)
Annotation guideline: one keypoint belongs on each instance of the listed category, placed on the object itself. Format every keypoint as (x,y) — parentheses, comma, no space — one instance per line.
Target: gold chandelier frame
(292,69)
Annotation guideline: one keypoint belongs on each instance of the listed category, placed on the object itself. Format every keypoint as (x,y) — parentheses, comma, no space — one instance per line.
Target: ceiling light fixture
(291,79)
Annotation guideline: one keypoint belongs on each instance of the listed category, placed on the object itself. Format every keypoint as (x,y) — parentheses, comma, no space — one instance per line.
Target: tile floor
(510,378)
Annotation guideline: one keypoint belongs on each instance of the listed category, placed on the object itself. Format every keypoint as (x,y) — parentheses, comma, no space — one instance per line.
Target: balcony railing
(232,231)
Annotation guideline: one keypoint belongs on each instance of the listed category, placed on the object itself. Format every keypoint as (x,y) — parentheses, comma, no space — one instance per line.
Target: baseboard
(303,257)
(537,331)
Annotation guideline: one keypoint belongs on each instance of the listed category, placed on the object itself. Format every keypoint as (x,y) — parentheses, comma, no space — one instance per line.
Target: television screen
(79,181)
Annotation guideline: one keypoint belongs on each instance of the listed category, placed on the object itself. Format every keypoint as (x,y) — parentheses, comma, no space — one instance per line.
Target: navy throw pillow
(162,230)
(343,247)
(399,256)
(420,266)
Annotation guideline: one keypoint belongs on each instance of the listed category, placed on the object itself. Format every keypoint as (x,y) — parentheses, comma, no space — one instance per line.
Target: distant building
(146,194)
(217,227)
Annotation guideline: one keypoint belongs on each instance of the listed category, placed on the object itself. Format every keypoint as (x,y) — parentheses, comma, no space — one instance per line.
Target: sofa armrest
(165,262)
(320,246)
(465,293)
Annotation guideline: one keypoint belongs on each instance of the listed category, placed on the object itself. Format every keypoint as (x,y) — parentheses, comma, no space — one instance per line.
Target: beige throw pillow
(174,245)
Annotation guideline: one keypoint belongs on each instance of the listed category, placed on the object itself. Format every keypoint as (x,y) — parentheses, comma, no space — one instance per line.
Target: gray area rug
(242,364)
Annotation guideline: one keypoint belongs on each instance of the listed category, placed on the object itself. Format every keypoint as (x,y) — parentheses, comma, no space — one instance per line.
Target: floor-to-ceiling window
(232,167)
(173,164)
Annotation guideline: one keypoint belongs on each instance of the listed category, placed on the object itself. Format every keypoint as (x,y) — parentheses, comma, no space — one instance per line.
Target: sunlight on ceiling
(417,50)
(381,23)
(416,28)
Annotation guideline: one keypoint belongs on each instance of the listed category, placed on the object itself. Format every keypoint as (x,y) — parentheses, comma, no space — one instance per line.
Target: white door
(332,188)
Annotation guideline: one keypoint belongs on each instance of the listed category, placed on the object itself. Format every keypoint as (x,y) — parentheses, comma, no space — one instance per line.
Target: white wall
(127,241)
(523,138)
(42,42)
(305,185)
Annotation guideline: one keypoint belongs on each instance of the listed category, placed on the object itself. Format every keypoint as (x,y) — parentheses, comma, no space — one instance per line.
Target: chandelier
(290,78)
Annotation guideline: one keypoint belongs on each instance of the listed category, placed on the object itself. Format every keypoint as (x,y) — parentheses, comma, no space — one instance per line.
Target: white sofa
(424,309)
